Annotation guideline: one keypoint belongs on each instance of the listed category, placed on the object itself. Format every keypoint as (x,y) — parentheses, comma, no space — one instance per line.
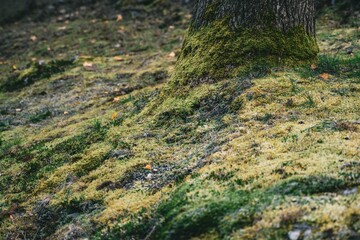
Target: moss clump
(219,51)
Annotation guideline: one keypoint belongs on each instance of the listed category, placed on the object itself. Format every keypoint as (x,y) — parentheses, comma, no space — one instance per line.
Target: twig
(150,233)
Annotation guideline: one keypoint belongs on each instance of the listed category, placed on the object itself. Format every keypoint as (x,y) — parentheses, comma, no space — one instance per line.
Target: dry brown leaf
(325,76)
(118,58)
(117,99)
(172,54)
(188,16)
(62,28)
(313,66)
(89,66)
(119,18)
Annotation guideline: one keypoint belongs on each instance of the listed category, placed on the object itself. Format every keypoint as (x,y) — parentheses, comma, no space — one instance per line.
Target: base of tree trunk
(217,51)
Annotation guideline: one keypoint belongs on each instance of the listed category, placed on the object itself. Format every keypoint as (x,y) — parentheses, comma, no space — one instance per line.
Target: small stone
(350,191)
(294,235)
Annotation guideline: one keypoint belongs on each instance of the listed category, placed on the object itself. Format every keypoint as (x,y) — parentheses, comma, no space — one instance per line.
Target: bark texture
(281,14)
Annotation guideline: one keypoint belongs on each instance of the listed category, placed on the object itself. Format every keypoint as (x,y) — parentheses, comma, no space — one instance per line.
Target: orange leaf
(118,58)
(89,66)
(325,76)
(117,99)
(114,115)
(148,167)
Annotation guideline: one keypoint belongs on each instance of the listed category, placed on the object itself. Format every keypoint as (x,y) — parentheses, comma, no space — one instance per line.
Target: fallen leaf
(14,67)
(119,18)
(172,54)
(188,16)
(89,66)
(33,38)
(117,99)
(325,76)
(62,28)
(148,167)
(66,113)
(118,58)
(313,66)
(114,115)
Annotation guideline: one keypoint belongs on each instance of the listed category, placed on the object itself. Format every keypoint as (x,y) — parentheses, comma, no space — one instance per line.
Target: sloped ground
(92,146)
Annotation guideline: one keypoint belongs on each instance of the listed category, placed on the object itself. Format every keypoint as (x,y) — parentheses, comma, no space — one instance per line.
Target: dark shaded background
(12,10)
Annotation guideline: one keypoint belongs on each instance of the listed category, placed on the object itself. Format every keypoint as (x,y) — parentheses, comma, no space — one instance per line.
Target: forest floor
(88,151)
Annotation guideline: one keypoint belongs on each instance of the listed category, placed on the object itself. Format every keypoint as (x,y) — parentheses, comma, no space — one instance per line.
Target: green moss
(38,117)
(308,185)
(218,51)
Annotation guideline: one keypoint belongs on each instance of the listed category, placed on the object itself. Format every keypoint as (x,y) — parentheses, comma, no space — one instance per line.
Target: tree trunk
(283,15)
(227,37)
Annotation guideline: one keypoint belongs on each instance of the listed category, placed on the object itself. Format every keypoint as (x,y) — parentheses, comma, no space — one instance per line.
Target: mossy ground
(96,154)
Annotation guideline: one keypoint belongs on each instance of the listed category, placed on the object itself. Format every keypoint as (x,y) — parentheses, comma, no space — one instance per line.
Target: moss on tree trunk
(231,36)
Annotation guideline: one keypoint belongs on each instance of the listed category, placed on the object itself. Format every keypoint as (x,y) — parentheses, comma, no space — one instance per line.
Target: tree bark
(227,37)
(281,14)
